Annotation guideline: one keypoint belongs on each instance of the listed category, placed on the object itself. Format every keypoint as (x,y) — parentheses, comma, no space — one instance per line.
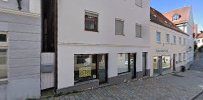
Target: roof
(200,35)
(183,12)
(158,18)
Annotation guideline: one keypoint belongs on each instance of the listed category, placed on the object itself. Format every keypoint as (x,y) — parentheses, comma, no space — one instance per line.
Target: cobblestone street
(182,86)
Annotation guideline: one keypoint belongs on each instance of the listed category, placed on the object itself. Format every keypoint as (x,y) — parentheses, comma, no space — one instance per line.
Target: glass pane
(3,38)
(85,67)
(3,63)
(123,63)
(166,62)
(102,68)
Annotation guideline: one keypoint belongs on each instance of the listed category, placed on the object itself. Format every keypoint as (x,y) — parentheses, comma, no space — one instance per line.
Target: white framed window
(119,26)
(184,56)
(138,3)
(180,57)
(180,40)
(184,41)
(174,39)
(138,30)
(167,38)
(3,64)
(158,37)
(3,55)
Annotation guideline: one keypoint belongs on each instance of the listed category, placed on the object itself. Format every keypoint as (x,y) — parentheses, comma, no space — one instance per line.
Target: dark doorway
(159,64)
(102,68)
(133,64)
(144,63)
(49,31)
(49,25)
(174,62)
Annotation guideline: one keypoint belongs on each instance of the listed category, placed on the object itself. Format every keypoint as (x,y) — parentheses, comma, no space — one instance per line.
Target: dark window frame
(91,17)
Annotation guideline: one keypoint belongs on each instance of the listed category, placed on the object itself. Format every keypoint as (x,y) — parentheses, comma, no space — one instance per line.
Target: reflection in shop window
(84,67)
(123,65)
(165,62)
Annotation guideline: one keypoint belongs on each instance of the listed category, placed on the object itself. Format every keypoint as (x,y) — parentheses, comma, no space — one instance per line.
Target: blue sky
(167,5)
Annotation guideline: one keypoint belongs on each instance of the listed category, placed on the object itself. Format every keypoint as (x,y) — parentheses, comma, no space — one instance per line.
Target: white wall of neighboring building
(23,30)
(168,48)
(73,39)
(199,42)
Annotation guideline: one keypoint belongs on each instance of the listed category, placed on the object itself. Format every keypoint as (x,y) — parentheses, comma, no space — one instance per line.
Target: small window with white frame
(158,37)
(167,38)
(174,39)
(138,30)
(180,40)
(119,27)
(3,55)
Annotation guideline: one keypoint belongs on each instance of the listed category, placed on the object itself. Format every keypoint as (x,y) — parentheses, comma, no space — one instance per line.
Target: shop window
(119,27)
(3,63)
(166,62)
(91,21)
(124,63)
(84,67)
(138,30)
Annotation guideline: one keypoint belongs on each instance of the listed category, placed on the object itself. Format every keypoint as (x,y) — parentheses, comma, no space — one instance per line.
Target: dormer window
(176,17)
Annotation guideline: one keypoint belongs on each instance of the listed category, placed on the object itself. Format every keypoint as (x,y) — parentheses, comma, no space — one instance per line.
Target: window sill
(3,81)
(92,31)
(85,82)
(124,73)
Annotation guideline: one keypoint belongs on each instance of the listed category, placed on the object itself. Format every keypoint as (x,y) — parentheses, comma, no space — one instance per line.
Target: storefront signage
(161,50)
(85,72)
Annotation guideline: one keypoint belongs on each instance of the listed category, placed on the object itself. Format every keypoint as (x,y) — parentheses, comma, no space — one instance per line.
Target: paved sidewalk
(183,86)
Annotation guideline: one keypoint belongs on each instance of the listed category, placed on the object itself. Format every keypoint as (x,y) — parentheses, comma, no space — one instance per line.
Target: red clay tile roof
(200,35)
(158,18)
(183,12)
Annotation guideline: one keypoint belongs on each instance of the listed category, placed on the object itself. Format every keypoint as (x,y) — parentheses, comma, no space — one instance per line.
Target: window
(84,67)
(180,57)
(138,3)
(167,38)
(174,39)
(138,31)
(3,38)
(184,56)
(176,17)
(184,41)
(119,27)
(3,63)
(158,37)
(91,21)
(180,40)
(123,63)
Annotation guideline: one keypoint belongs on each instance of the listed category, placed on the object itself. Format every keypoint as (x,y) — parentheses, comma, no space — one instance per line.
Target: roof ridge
(178,9)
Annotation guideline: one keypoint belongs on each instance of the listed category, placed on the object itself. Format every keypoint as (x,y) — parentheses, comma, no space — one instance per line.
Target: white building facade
(105,41)
(183,18)
(169,45)
(20,47)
